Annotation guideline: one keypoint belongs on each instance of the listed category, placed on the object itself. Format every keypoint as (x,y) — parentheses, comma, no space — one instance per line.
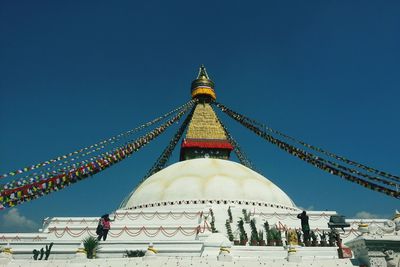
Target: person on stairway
(103,227)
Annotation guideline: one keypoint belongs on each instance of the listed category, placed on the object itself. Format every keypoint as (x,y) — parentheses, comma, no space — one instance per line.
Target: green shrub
(243,234)
(229,230)
(135,253)
(246,215)
(230,215)
(91,245)
(254,232)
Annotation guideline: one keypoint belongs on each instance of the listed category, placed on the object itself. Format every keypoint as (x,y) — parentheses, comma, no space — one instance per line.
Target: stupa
(206,210)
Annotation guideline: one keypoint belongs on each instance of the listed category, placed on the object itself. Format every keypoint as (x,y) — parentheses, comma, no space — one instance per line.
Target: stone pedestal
(80,254)
(292,255)
(224,254)
(151,253)
(5,255)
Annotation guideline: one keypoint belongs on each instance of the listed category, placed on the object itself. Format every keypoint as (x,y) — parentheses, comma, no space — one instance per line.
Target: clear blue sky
(75,72)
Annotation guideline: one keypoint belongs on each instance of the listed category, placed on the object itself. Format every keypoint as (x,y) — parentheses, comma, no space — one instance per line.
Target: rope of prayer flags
(238,151)
(165,155)
(96,146)
(308,157)
(52,171)
(373,178)
(13,197)
(340,158)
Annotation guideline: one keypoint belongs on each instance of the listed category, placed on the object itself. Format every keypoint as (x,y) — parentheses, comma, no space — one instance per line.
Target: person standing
(99,229)
(305,227)
(104,227)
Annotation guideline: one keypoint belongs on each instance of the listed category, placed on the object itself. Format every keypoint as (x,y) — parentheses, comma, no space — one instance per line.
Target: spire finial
(202,73)
(203,86)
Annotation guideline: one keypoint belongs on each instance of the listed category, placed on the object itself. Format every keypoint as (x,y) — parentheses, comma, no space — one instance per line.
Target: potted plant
(278,238)
(243,235)
(212,223)
(246,216)
(323,242)
(333,238)
(230,215)
(266,227)
(91,245)
(314,241)
(253,239)
(229,230)
(254,233)
(299,234)
(134,253)
(307,242)
(261,241)
(286,237)
(270,238)
(236,240)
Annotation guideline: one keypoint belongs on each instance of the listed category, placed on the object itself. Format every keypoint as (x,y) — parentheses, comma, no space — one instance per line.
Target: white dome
(207,179)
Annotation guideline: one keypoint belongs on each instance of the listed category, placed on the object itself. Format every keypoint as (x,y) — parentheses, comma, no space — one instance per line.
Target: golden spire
(205,136)
(203,86)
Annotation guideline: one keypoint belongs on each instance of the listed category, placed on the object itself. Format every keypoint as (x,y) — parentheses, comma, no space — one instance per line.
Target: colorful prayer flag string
(165,155)
(308,157)
(13,197)
(340,158)
(236,148)
(96,146)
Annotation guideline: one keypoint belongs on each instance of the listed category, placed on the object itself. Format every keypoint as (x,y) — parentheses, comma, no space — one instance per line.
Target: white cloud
(368,215)
(13,221)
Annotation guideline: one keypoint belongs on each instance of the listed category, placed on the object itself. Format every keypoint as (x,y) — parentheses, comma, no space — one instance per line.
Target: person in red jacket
(103,227)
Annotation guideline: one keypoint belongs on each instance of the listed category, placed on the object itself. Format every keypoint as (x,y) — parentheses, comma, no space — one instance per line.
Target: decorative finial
(202,73)
(203,86)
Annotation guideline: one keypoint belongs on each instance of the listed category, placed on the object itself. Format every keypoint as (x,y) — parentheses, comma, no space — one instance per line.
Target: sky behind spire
(326,72)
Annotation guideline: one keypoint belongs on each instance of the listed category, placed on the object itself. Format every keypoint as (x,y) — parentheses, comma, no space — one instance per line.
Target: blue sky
(76,72)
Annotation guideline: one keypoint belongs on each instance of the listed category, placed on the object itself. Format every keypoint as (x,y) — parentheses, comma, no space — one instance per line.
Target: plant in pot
(333,238)
(243,234)
(270,238)
(230,215)
(254,233)
(267,234)
(91,245)
(266,227)
(286,237)
(274,238)
(236,240)
(135,253)
(323,242)
(246,216)
(299,235)
(212,223)
(278,238)
(229,230)
(261,241)
(314,241)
